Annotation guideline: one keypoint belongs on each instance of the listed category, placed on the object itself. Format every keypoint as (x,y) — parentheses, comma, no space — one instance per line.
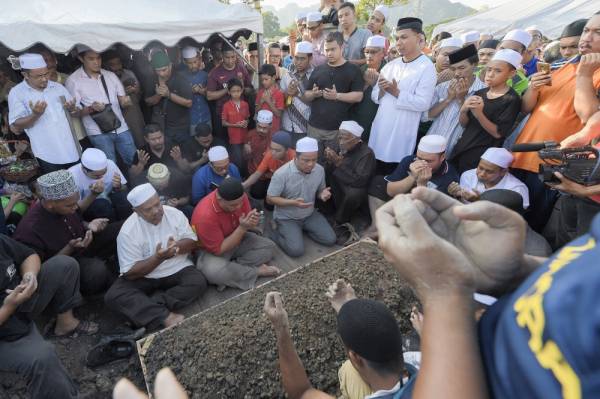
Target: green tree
(271,25)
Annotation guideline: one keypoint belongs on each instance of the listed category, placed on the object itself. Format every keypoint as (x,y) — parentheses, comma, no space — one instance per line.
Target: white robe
(394,130)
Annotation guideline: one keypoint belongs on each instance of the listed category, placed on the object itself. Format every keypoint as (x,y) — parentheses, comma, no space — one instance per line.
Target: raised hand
(275,311)
(325,195)
(116,181)
(97,225)
(339,293)
(143,157)
(38,108)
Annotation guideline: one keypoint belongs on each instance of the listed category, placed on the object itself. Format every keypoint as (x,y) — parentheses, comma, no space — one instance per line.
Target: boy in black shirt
(489,115)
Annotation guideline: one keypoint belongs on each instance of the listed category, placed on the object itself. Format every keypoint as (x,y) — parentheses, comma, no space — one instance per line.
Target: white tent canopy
(61,24)
(550,15)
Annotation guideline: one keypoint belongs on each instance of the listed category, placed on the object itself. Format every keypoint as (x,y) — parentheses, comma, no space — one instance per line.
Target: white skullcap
(314,17)
(158,174)
(352,127)
(304,48)
(483,299)
(189,52)
(433,144)
(31,61)
(535,28)
(376,41)
(451,42)
(94,159)
(140,194)
(471,36)
(384,10)
(264,116)
(300,16)
(519,35)
(217,153)
(307,144)
(510,56)
(498,156)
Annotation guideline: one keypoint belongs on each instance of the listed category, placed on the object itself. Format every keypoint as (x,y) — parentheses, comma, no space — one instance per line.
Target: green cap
(160,60)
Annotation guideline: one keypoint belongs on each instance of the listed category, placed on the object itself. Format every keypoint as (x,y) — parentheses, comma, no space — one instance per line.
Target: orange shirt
(553,118)
(269,165)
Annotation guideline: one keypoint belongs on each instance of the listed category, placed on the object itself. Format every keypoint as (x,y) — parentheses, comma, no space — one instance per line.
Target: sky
(471,3)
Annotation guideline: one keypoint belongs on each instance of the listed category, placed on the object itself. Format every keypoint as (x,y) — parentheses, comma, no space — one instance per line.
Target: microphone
(530,147)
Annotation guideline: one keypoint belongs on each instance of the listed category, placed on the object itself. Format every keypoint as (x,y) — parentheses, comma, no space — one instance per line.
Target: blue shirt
(205,180)
(440,179)
(287,62)
(531,67)
(199,113)
(542,341)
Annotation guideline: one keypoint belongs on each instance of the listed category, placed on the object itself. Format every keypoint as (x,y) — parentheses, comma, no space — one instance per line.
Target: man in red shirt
(233,255)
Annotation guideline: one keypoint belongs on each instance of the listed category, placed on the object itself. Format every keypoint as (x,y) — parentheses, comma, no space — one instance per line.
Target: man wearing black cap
(404,91)
(371,337)
(569,42)
(232,255)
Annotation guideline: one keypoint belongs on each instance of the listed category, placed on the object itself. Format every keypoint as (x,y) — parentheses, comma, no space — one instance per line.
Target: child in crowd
(269,96)
(488,116)
(235,118)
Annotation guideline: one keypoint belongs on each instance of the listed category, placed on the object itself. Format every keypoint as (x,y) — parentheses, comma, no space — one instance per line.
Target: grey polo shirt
(355,45)
(288,182)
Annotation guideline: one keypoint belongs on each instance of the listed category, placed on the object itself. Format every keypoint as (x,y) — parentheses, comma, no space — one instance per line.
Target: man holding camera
(559,103)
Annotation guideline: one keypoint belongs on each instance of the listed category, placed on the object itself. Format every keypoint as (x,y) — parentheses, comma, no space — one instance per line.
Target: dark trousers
(148,301)
(347,200)
(385,168)
(31,356)
(467,159)
(236,154)
(571,218)
(259,191)
(98,263)
(541,199)
(47,167)
(117,208)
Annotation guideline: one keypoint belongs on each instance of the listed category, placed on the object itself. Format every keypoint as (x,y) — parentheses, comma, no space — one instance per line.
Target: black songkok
(575,28)
(492,43)
(410,23)
(231,189)
(462,54)
(252,46)
(368,328)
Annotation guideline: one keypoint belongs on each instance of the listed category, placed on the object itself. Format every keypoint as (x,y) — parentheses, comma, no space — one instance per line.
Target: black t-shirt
(176,117)
(440,179)
(12,254)
(192,151)
(502,111)
(328,114)
(166,158)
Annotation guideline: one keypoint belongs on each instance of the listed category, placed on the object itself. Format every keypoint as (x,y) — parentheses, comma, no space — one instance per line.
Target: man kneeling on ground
(293,190)
(233,255)
(373,343)
(157,274)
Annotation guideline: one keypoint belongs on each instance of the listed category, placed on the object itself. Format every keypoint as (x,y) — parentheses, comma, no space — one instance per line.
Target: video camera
(581,165)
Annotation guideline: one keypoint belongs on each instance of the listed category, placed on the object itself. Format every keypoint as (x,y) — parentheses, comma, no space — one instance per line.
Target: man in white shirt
(102,189)
(94,89)
(490,174)
(157,274)
(35,106)
(403,92)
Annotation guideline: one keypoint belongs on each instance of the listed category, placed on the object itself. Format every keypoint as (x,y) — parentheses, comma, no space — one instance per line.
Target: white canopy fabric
(550,15)
(61,24)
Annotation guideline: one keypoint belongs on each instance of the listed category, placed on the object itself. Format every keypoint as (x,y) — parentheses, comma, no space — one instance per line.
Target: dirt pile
(229,351)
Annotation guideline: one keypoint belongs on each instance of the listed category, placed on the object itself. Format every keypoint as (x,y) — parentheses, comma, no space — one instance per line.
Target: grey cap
(57,185)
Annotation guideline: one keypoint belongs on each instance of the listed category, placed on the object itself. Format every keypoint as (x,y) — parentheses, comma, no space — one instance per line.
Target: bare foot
(172,319)
(268,271)
(64,327)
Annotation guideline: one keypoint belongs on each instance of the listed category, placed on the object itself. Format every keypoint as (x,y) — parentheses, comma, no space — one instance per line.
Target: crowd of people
(191,166)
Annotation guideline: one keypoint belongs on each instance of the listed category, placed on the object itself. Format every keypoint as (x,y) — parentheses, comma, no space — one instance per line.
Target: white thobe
(394,130)
(138,239)
(469,181)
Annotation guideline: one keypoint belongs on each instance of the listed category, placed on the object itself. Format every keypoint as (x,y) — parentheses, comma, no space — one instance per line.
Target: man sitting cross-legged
(157,274)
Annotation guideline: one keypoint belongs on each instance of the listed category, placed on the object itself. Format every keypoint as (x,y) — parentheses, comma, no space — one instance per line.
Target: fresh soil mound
(229,351)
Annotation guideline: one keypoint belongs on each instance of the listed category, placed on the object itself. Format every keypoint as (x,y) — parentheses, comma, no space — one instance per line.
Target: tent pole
(261,49)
